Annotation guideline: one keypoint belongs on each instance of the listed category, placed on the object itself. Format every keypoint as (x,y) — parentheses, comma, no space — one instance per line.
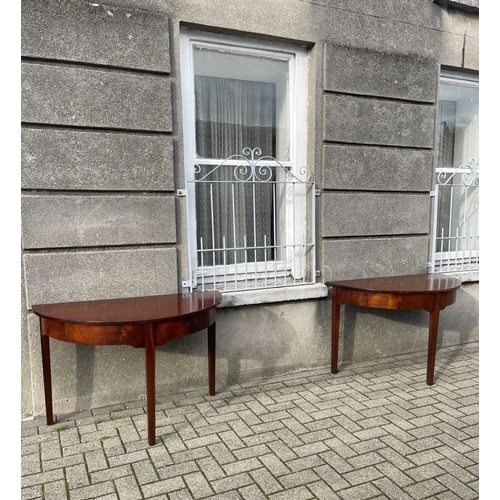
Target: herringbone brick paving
(375,430)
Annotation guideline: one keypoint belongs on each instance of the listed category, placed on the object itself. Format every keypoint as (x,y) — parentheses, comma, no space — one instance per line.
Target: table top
(407,284)
(130,310)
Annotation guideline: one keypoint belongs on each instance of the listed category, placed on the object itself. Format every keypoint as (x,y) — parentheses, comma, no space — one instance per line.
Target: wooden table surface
(429,292)
(135,321)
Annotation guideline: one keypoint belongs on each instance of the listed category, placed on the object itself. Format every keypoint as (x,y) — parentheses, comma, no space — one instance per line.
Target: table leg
(335,331)
(150,382)
(433,334)
(47,376)
(211,359)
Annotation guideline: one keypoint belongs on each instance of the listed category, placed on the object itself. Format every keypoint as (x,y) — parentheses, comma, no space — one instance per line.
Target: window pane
(232,115)
(235,219)
(241,100)
(458,124)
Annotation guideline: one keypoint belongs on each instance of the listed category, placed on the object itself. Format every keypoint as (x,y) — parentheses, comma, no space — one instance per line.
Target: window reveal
(455,245)
(249,197)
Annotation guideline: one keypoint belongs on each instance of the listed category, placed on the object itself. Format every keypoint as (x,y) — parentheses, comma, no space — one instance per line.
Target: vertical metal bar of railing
(303,270)
(275,229)
(265,261)
(465,223)
(246,259)
(212,219)
(312,194)
(442,249)
(463,247)
(254,232)
(469,248)
(224,262)
(202,259)
(294,271)
(450,223)
(234,238)
(285,249)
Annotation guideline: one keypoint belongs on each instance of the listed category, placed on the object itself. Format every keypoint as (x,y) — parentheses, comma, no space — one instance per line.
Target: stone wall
(102,159)
(98,205)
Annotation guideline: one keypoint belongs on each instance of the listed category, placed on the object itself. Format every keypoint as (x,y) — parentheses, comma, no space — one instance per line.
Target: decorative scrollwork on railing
(247,167)
(467,173)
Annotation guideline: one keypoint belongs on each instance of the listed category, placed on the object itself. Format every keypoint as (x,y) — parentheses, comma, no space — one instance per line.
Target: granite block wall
(98,206)
(102,160)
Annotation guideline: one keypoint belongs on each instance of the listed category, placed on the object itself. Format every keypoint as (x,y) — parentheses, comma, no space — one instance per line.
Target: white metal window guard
(284,258)
(455,248)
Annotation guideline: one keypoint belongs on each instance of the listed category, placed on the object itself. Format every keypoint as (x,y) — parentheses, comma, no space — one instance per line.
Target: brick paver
(375,430)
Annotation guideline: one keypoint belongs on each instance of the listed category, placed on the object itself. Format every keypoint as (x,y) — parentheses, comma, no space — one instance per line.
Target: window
(456,207)
(250,200)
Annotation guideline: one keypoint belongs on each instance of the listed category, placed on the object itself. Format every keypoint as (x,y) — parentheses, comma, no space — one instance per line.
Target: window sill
(463,276)
(266,296)
(466,276)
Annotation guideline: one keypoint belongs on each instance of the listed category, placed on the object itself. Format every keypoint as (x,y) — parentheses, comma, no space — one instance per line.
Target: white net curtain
(231,115)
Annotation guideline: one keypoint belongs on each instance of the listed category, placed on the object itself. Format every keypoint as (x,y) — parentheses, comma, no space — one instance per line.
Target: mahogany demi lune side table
(429,292)
(137,321)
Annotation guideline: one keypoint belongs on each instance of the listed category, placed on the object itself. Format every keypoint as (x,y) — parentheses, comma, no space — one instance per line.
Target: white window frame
(297,140)
(462,263)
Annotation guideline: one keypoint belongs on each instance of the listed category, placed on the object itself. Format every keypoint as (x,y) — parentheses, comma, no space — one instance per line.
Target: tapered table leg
(142,322)
(433,334)
(150,383)
(211,359)
(47,376)
(427,292)
(335,331)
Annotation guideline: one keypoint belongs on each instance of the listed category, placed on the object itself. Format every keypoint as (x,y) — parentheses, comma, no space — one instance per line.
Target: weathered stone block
(465,23)
(408,12)
(62,95)
(376,169)
(55,221)
(451,50)
(374,257)
(373,121)
(383,31)
(279,19)
(460,39)
(471,53)
(370,72)
(81,160)
(357,214)
(72,276)
(94,33)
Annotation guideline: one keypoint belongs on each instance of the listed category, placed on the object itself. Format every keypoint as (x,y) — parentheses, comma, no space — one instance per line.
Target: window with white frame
(455,246)
(250,199)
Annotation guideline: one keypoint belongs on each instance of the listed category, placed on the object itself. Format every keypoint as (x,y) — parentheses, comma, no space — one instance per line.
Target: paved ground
(373,431)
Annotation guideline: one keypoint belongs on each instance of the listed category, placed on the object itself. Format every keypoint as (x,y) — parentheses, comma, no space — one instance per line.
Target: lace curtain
(231,115)
(446,148)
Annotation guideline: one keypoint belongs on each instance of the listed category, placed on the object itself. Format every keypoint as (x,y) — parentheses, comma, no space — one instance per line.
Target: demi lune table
(136,321)
(429,292)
